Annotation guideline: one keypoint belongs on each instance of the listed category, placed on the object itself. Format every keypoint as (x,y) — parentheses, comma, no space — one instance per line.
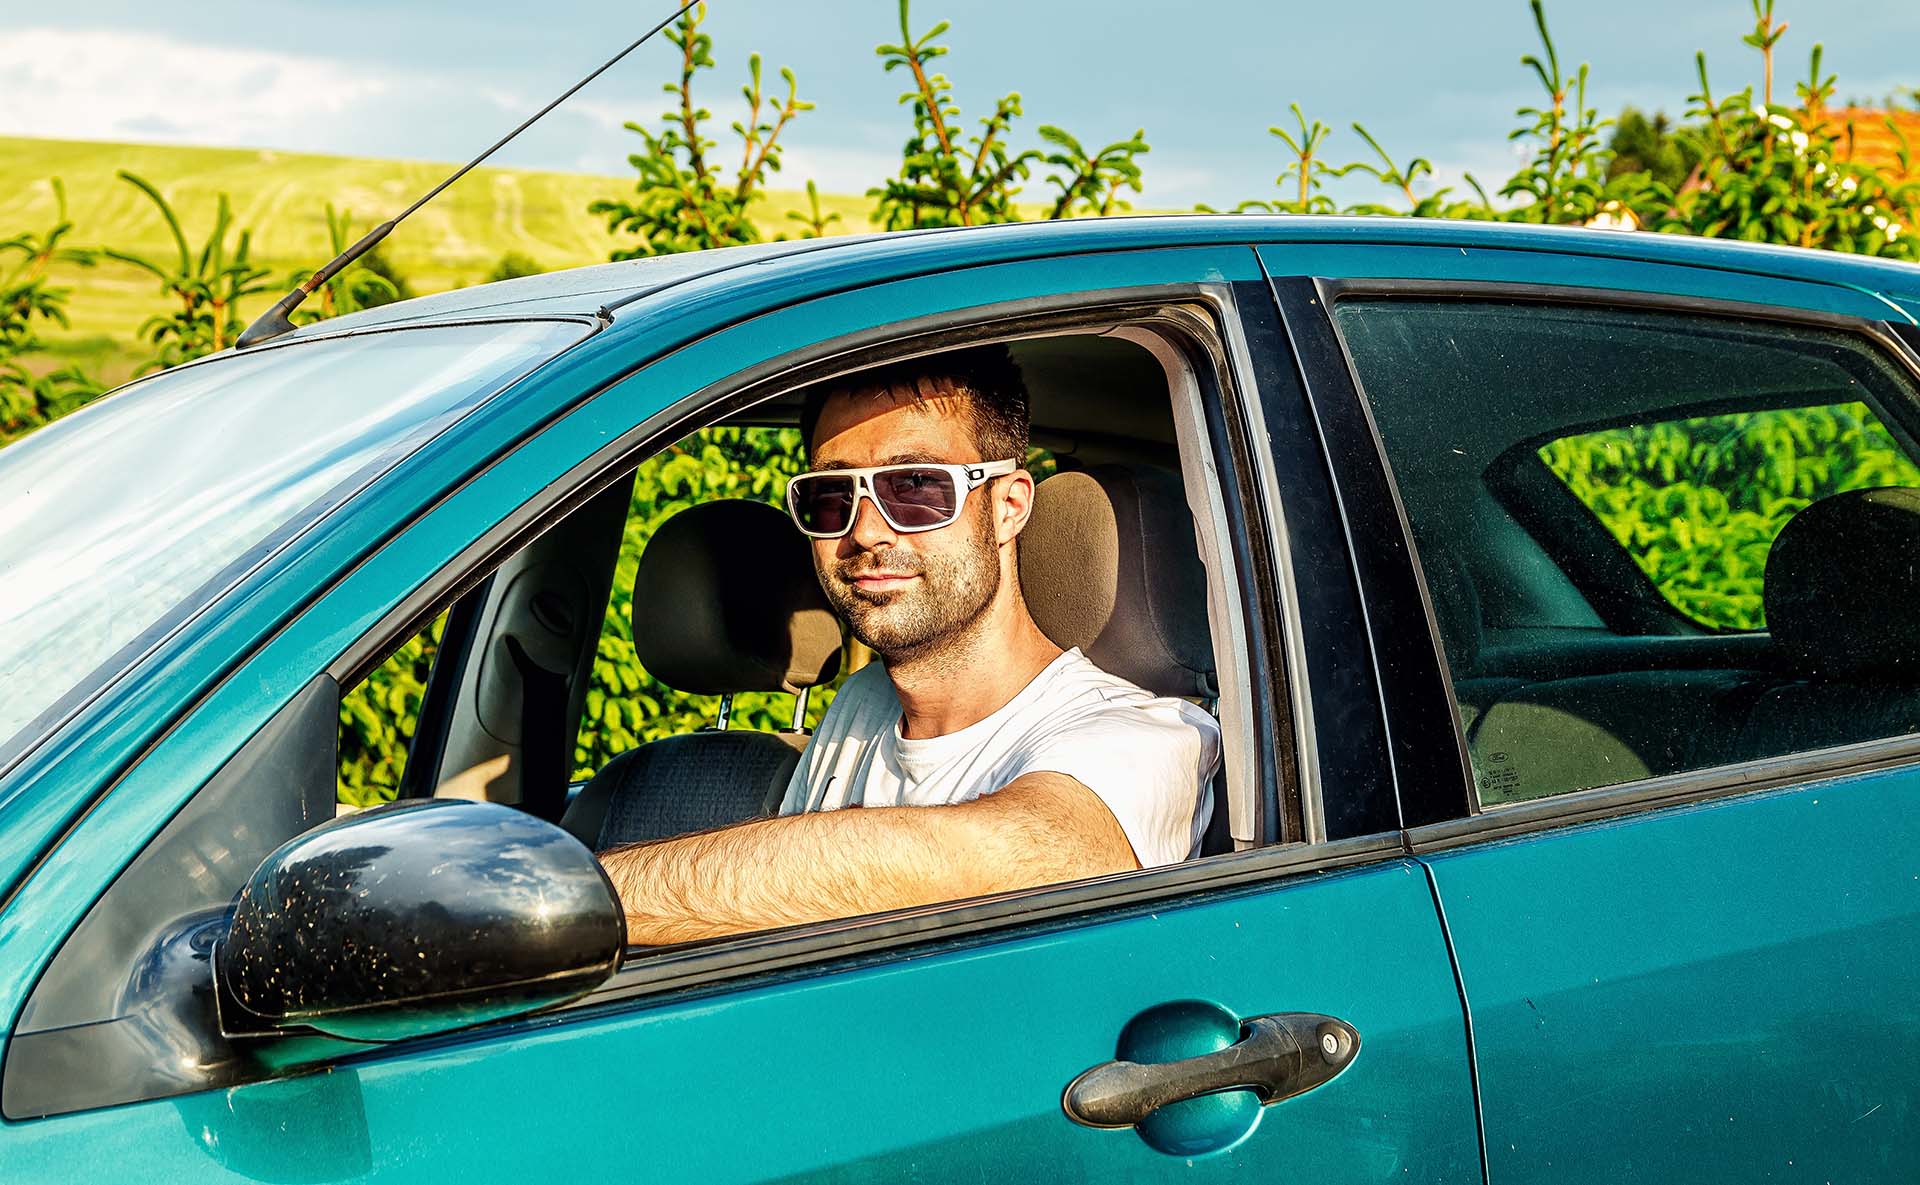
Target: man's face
(904,594)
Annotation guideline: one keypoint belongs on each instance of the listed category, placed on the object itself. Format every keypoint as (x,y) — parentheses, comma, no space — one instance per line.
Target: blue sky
(438,80)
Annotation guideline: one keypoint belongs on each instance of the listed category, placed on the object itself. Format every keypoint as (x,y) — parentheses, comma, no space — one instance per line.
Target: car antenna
(274,323)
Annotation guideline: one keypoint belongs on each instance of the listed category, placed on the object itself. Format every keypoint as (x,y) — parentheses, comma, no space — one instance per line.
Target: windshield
(120,520)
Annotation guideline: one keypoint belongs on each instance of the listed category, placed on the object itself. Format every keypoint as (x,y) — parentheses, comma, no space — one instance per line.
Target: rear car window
(1654,542)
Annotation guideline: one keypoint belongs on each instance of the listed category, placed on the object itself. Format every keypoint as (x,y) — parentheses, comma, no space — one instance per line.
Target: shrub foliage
(1697,502)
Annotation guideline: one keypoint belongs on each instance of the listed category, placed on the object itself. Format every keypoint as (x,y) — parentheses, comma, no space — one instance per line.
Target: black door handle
(1277,1057)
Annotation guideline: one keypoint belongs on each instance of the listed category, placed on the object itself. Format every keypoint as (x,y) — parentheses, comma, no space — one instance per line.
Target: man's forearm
(834,864)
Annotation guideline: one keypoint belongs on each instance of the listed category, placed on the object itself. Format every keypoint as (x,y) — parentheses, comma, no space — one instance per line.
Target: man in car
(982,757)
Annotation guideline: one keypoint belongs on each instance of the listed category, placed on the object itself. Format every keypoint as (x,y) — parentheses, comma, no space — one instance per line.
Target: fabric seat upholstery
(1600,730)
(724,601)
(1841,582)
(1109,563)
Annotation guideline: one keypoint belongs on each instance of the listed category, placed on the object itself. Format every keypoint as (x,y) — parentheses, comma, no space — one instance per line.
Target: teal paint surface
(1489,265)
(1724,992)
(819,265)
(944,1067)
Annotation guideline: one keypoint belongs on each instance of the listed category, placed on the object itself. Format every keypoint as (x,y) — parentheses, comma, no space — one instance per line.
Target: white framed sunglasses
(916,496)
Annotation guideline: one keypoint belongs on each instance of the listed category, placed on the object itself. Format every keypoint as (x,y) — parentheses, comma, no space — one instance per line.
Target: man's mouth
(874,582)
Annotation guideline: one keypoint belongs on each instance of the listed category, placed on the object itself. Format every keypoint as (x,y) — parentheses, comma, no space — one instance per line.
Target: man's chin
(881,631)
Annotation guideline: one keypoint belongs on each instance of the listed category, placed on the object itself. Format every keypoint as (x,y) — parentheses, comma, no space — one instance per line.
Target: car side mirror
(416,918)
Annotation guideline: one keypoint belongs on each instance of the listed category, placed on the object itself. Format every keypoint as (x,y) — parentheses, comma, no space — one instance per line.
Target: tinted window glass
(378,718)
(1698,502)
(1607,509)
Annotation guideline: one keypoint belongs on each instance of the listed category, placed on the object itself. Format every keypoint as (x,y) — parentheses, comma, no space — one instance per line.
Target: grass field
(282,197)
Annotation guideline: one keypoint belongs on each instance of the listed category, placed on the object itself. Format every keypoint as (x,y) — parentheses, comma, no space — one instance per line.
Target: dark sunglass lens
(916,497)
(823,502)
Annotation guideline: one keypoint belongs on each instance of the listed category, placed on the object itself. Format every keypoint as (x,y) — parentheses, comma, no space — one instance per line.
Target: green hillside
(282,197)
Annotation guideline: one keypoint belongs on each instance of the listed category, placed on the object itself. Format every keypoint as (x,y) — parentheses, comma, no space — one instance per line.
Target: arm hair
(1040,829)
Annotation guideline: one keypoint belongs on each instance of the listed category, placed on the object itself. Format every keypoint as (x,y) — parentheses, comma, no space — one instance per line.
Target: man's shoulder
(866,691)
(1089,695)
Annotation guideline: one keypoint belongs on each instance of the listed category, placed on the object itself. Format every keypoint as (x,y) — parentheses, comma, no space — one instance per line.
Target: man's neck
(973,675)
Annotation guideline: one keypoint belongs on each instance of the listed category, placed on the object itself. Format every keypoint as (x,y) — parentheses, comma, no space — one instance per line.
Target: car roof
(604,289)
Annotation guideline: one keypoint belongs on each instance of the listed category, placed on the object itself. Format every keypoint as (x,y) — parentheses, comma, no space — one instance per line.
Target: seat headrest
(725,600)
(1108,564)
(1841,583)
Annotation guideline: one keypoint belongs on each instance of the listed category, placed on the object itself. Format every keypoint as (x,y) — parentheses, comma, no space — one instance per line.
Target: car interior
(1570,670)
(725,603)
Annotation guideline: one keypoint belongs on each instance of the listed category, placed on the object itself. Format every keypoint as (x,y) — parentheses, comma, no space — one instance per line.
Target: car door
(1680,880)
(933,1045)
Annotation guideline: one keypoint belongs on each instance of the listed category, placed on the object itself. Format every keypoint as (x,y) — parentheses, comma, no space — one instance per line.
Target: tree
(682,202)
(1090,182)
(209,286)
(813,219)
(1775,173)
(948,178)
(1654,146)
(512,266)
(29,399)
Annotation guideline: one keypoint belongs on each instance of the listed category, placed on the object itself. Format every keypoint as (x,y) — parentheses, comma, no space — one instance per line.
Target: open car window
(1697,502)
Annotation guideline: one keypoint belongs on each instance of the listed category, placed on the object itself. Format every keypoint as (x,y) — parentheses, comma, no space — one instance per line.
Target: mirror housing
(414,918)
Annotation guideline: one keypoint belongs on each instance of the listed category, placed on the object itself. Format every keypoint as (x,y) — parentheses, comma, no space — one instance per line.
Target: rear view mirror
(416,918)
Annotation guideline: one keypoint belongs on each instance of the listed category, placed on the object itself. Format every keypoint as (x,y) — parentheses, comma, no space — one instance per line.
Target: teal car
(1554,591)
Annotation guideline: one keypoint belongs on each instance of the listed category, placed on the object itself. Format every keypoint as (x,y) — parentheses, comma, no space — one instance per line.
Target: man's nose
(870,530)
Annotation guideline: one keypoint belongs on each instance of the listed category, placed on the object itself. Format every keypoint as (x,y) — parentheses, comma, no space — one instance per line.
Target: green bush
(30,398)
(1697,502)
(377,719)
(625,706)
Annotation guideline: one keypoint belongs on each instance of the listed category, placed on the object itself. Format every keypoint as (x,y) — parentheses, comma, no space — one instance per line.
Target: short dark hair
(985,377)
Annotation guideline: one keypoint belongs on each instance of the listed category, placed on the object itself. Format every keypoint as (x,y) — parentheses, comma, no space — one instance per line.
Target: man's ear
(1013,505)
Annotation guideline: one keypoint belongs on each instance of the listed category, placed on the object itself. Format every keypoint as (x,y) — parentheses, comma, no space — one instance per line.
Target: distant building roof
(1875,144)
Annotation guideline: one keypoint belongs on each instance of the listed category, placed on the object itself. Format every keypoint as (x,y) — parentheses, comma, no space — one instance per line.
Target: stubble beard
(926,619)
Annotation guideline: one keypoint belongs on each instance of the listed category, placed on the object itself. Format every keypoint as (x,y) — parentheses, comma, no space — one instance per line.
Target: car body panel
(54,782)
(1719,990)
(1723,991)
(879,1073)
(869,258)
(670,1076)
(1496,265)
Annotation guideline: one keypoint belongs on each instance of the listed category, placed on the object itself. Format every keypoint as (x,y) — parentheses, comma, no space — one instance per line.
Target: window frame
(1220,359)
(1900,345)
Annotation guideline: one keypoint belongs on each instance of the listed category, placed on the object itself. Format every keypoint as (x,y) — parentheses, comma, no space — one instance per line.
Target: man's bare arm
(1041,828)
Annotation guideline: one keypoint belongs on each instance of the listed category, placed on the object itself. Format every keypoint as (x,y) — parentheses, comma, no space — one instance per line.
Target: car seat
(1109,563)
(724,601)
(1840,582)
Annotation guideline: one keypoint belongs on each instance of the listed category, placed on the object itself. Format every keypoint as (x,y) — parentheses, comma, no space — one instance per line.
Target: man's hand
(1040,829)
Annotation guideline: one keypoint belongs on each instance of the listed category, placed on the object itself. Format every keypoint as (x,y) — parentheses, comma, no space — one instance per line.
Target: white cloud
(106,84)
